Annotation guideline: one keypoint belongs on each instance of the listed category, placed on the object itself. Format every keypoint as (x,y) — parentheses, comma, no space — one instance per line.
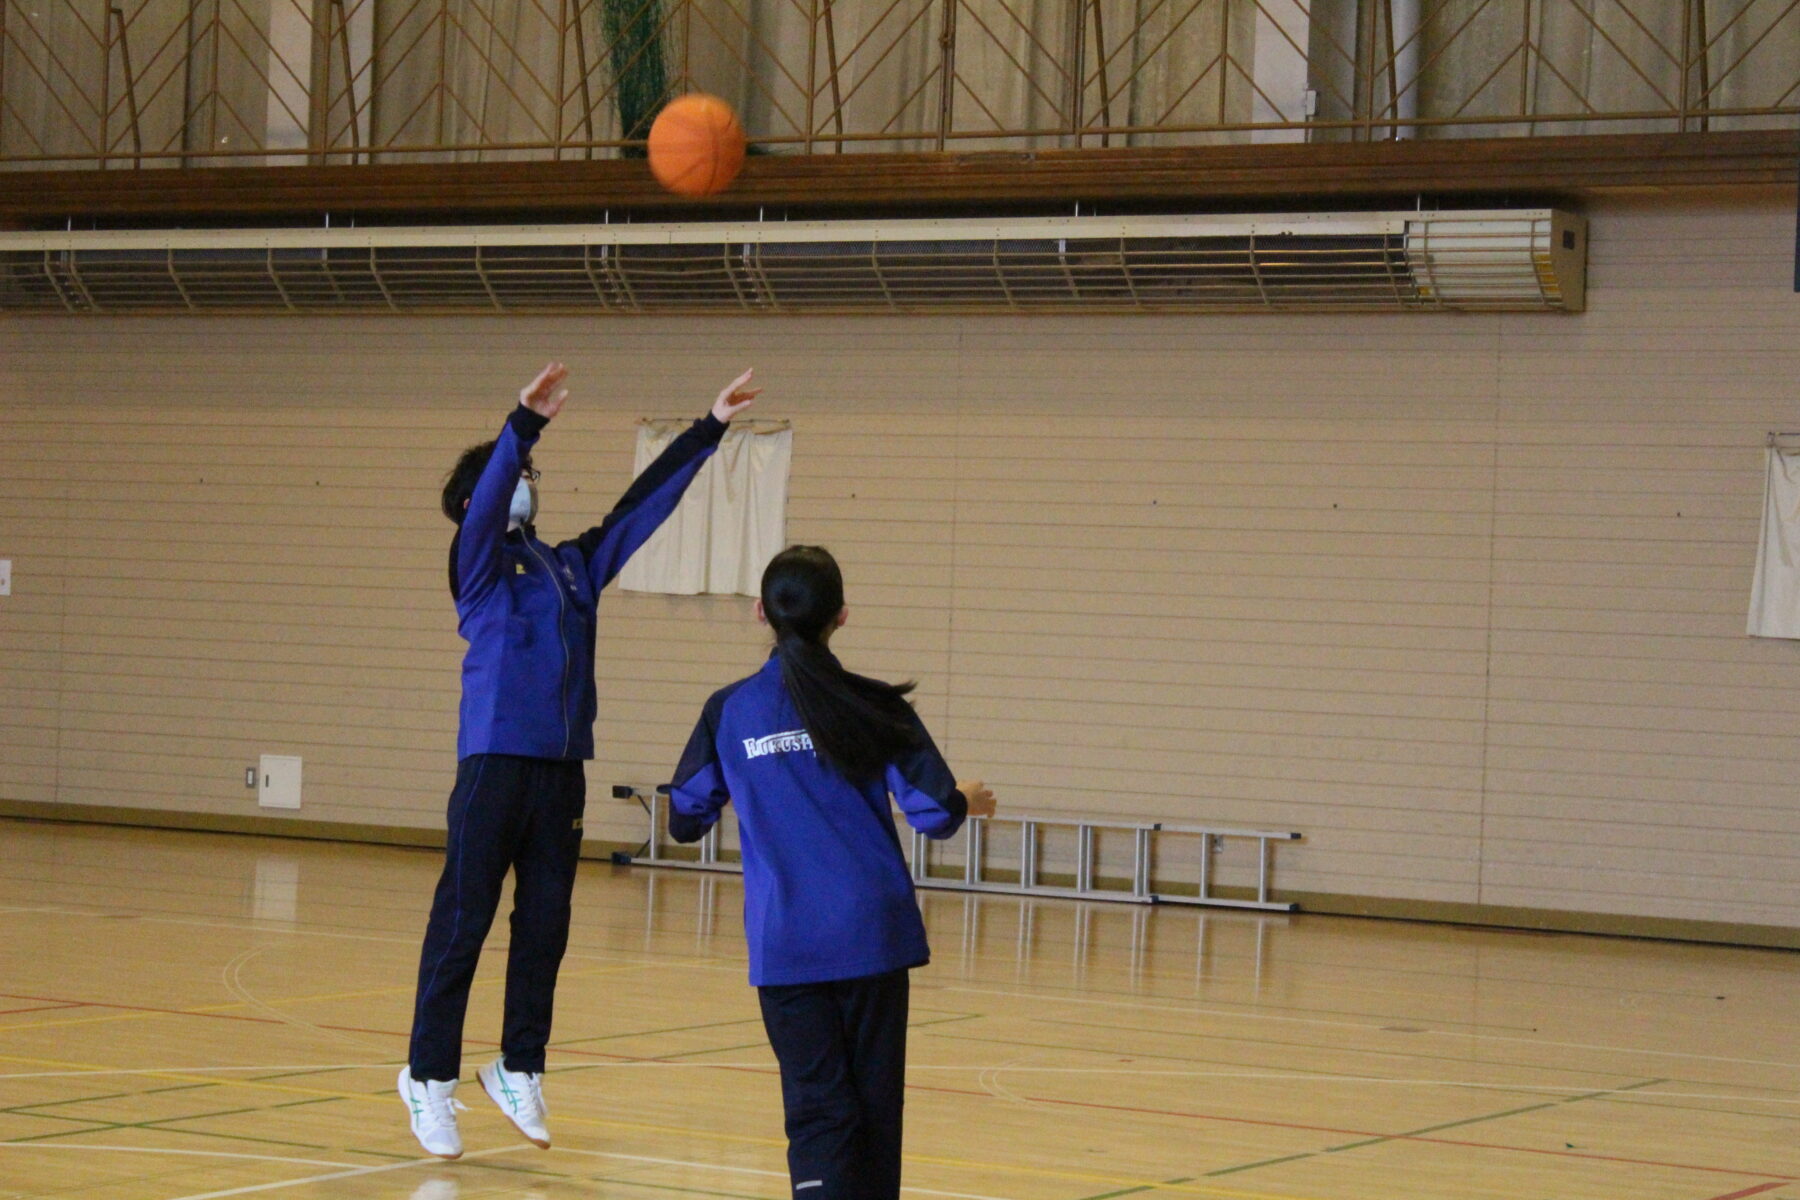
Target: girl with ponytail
(811,754)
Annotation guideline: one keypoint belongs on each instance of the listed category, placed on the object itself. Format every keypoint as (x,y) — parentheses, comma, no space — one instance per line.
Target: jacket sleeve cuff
(711,427)
(685,829)
(527,424)
(957,805)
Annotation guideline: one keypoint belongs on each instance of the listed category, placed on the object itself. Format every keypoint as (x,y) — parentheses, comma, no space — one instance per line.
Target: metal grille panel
(1530,260)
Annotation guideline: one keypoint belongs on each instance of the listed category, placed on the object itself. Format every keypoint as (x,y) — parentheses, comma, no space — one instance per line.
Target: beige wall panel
(1462,598)
(1753,810)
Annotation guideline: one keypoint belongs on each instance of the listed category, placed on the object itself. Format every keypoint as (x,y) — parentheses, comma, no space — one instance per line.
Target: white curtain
(732,521)
(1775,594)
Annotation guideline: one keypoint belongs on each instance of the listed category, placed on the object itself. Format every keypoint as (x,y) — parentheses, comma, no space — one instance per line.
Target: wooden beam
(1192,176)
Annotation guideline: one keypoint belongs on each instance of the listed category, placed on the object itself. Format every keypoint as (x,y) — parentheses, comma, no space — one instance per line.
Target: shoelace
(443,1108)
(534,1088)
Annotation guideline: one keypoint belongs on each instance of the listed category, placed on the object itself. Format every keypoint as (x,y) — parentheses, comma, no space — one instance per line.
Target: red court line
(173,1012)
(1779,1180)
(1402,1137)
(7,1012)
(1761,1187)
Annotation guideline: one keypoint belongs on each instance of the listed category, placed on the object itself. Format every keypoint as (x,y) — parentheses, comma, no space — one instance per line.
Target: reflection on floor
(189,1015)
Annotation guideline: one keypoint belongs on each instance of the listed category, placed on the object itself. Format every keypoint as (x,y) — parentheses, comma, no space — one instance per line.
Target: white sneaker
(432,1105)
(520,1096)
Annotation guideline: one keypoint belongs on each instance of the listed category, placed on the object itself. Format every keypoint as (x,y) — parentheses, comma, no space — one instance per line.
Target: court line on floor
(743,1139)
(250,925)
(1403,1137)
(63,1146)
(1413,1134)
(1321,1075)
(1255,1016)
(1305,1045)
(1519,1088)
(72,1074)
(914,1068)
(1753,1191)
(139,1012)
(7,1012)
(735,1170)
(1055,1102)
(351,1173)
(1044,1100)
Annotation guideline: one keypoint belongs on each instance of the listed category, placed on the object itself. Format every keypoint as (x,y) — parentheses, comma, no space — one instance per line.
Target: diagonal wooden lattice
(149,82)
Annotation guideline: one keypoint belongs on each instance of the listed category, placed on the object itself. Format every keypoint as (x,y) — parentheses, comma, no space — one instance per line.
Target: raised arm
(483,532)
(654,494)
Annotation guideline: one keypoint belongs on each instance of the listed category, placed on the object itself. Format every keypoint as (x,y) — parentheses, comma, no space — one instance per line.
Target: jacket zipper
(562,639)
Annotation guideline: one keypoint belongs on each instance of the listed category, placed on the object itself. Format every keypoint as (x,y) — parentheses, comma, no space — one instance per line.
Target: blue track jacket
(827,894)
(527,609)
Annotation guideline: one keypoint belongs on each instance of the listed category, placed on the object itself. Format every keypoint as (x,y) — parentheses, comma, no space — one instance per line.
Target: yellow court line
(218,1008)
(1191,1188)
(713,1135)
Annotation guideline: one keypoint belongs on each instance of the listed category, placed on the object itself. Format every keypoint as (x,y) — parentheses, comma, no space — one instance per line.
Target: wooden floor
(193,1015)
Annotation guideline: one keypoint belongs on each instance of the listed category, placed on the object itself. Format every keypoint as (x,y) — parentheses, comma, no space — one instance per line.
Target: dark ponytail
(857,724)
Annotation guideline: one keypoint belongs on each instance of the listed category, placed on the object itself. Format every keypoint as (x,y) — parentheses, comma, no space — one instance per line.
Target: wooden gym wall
(1460,598)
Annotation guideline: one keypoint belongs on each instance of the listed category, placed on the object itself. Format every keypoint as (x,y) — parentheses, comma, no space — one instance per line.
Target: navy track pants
(842,1050)
(506,813)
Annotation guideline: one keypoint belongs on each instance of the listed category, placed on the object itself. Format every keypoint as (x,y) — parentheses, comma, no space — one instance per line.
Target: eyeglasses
(530,474)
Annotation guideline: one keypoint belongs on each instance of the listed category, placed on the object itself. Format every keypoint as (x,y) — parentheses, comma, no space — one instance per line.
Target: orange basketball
(696,145)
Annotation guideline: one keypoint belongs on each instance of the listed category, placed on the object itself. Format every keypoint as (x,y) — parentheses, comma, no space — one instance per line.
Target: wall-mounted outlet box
(5,576)
(278,782)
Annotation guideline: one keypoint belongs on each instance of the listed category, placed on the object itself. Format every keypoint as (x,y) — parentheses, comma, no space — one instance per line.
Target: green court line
(20,1108)
(1308,1046)
(994,1041)
(764,1045)
(259,1141)
(667,1187)
(1521,1089)
(296,1074)
(87,1121)
(1267,1162)
(109,1096)
(710,1050)
(1132,1191)
(167,1125)
(1412,1133)
(613,1037)
(946,1020)
(92,1127)
(164,1127)
(1187,1060)
(1707,1108)
(758,1045)
(294,1103)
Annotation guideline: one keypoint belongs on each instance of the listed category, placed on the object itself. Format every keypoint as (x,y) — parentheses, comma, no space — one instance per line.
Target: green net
(634,31)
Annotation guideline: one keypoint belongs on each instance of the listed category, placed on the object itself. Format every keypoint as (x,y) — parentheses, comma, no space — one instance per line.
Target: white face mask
(524,505)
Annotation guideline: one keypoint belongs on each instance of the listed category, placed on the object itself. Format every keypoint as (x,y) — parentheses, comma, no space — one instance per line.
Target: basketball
(696,145)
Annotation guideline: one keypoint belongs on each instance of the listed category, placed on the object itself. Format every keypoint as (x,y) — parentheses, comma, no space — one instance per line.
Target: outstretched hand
(979,796)
(736,397)
(545,395)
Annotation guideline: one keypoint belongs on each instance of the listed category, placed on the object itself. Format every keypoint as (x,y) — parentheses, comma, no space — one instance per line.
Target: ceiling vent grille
(1505,260)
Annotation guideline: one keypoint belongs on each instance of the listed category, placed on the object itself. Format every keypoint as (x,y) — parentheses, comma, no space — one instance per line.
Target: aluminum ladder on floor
(974,838)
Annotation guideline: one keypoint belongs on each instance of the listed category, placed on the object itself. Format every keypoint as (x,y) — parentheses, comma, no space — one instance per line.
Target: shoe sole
(407,1100)
(487,1090)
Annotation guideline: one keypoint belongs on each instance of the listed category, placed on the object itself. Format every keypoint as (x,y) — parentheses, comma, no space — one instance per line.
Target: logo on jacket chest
(522,566)
(778,743)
